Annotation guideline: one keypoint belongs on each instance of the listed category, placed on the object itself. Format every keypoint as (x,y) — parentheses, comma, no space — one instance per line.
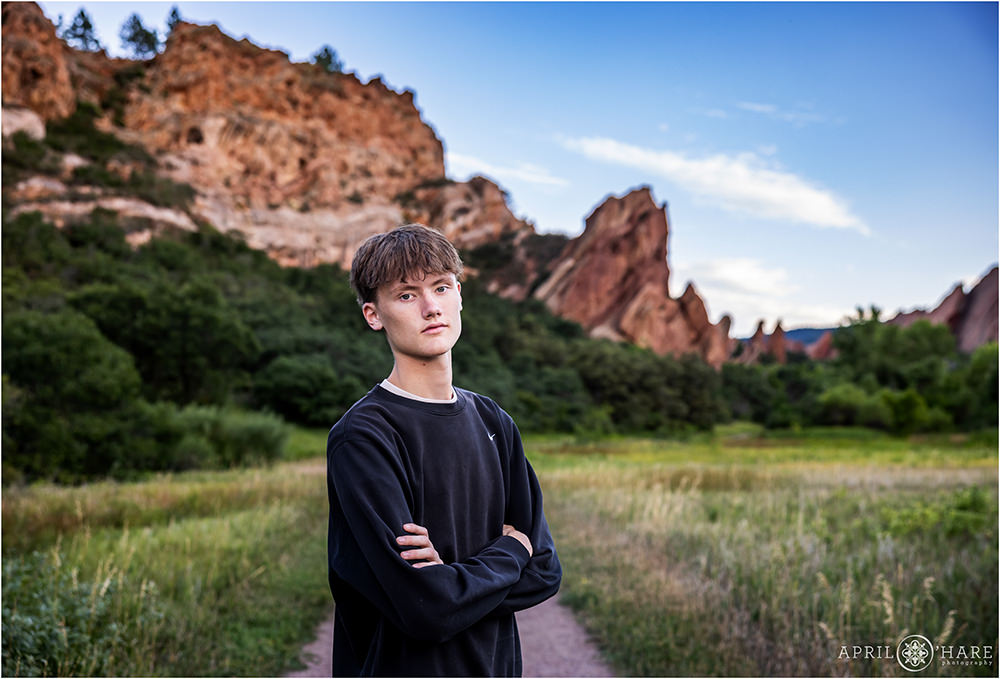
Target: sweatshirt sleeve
(433,603)
(543,574)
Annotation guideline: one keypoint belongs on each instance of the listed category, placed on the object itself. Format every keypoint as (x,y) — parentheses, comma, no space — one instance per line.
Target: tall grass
(734,555)
(680,567)
(205,574)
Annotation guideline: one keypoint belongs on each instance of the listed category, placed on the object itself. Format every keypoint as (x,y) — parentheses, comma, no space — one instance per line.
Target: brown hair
(410,250)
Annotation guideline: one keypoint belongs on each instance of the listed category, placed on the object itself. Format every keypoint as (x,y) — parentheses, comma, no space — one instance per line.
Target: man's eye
(405,296)
(442,288)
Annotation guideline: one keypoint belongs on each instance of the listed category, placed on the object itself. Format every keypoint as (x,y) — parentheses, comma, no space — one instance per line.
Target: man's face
(421,316)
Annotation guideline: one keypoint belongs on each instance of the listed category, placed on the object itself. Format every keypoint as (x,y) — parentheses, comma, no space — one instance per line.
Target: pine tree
(142,42)
(80,33)
(327,59)
(173,19)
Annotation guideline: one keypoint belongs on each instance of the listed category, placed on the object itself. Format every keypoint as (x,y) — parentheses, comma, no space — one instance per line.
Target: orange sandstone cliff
(306,164)
(614,281)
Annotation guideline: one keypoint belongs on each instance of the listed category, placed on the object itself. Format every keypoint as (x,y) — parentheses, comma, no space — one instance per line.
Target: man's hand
(521,537)
(423,550)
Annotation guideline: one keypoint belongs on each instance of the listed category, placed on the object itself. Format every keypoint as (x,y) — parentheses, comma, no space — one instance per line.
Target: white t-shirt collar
(389,386)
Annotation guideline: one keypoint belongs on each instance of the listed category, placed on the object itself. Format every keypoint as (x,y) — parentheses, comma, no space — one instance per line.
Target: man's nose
(431,307)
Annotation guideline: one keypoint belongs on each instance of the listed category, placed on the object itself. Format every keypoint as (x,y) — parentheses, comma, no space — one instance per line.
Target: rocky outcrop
(244,122)
(19,119)
(36,73)
(469,213)
(614,280)
(979,317)
(822,349)
(306,164)
(972,317)
(776,345)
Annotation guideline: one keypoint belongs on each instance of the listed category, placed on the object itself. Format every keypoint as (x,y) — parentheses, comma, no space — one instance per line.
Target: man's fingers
(417,554)
(414,540)
(423,551)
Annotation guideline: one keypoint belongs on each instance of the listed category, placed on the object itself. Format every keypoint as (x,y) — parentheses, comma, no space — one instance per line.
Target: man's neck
(427,379)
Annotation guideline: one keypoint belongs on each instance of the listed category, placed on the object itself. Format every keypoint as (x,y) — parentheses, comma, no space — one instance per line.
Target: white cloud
(797,117)
(716,113)
(749,291)
(460,164)
(740,183)
(664,127)
(755,107)
(740,274)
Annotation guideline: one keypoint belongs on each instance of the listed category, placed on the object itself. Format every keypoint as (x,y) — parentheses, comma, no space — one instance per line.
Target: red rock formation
(755,347)
(971,317)
(948,312)
(36,74)
(822,349)
(306,164)
(979,319)
(776,344)
(469,213)
(614,280)
(246,122)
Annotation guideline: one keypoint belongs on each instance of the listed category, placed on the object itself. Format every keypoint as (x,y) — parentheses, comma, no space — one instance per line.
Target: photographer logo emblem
(915,653)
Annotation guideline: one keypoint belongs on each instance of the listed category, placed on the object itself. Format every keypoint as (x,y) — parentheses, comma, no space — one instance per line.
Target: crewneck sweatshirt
(459,470)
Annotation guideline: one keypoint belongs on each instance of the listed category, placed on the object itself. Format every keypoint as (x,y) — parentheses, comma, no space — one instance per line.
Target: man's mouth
(434,327)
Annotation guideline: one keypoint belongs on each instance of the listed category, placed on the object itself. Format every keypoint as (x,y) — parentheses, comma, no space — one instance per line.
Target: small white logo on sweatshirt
(491,436)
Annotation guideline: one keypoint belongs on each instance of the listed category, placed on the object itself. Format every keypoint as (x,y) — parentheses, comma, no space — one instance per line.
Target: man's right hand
(521,537)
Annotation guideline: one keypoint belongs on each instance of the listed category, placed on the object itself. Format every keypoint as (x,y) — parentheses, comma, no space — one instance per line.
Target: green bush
(23,156)
(188,343)
(76,396)
(964,513)
(306,389)
(235,438)
(77,134)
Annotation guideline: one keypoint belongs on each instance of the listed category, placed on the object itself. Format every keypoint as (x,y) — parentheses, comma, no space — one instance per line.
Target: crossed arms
(517,569)
(423,552)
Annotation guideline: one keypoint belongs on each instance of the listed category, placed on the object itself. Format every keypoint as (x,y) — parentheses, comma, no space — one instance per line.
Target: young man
(437,534)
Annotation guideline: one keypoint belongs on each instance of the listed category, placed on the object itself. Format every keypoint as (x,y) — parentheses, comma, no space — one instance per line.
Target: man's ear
(458,286)
(370,313)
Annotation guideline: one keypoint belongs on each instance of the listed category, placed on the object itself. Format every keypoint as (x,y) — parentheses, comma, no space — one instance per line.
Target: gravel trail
(553,644)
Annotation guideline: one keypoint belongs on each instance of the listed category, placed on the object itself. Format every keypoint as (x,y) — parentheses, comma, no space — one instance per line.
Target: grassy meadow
(738,553)
(193,574)
(752,555)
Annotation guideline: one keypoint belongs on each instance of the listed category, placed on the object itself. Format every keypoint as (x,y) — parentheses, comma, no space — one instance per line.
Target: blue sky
(814,157)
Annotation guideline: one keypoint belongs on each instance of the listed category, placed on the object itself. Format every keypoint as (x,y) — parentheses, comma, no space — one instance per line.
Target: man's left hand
(423,550)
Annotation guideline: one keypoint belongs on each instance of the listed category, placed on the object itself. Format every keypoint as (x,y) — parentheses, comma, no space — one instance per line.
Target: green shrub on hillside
(70,416)
(306,389)
(235,438)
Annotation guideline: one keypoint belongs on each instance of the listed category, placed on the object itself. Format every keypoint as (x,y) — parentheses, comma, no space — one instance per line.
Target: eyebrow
(403,285)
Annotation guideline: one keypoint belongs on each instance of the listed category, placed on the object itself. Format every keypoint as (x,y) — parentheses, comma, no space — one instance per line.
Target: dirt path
(553,644)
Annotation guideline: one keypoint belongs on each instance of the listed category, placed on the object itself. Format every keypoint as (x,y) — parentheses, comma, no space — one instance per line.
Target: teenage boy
(437,534)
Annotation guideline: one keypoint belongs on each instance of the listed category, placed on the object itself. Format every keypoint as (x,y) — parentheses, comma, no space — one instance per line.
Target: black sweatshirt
(459,470)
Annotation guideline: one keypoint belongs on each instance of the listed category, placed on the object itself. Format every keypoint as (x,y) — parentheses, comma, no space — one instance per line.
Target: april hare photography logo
(915,653)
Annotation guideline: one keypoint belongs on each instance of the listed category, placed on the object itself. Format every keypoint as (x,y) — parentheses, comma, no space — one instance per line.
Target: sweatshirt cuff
(513,546)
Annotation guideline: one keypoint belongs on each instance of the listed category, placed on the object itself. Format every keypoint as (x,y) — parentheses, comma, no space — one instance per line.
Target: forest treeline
(117,360)
(193,350)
